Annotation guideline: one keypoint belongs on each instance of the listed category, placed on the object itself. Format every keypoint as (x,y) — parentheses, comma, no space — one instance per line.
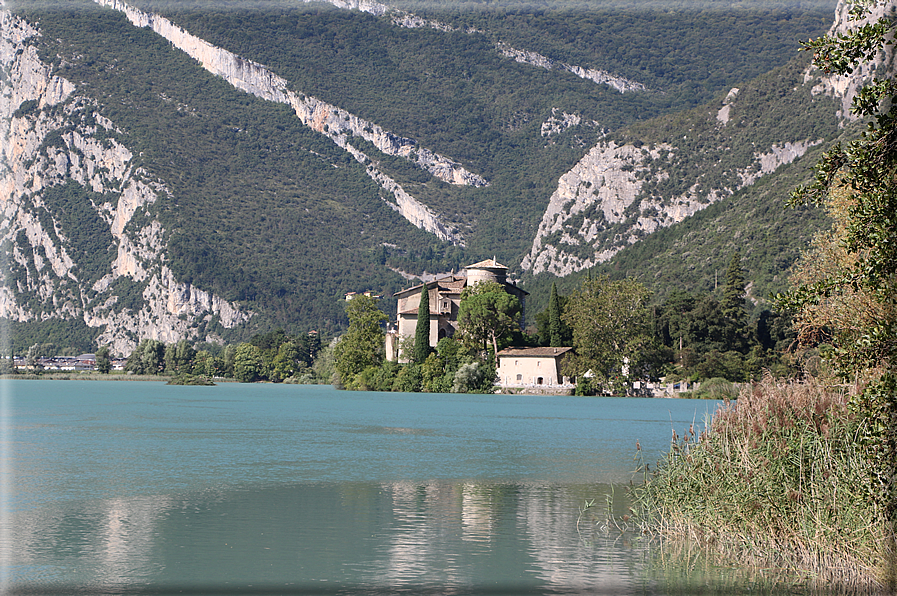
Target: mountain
(174,170)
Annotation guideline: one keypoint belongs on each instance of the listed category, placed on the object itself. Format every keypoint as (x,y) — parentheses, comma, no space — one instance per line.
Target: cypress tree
(554,318)
(733,293)
(422,331)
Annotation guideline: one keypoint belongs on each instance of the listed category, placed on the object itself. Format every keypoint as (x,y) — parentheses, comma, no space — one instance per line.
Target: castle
(445,299)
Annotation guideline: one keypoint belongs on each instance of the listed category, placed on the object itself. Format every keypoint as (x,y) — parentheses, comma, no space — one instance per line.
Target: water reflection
(463,536)
(296,489)
(107,542)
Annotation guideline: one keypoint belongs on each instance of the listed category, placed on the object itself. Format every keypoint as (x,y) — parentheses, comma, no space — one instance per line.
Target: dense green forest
(268,213)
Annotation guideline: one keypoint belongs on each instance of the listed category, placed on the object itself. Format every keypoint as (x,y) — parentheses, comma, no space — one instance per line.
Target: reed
(776,480)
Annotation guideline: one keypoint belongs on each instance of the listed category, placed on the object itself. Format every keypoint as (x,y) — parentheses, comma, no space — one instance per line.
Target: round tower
(488,270)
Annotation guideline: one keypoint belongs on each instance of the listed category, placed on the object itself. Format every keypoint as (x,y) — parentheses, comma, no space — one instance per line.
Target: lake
(117,487)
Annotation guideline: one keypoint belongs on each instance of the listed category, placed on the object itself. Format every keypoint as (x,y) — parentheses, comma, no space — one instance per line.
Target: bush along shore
(777,480)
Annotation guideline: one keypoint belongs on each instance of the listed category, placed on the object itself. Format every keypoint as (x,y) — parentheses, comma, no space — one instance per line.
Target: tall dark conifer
(554,318)
(422,331)
(733,293)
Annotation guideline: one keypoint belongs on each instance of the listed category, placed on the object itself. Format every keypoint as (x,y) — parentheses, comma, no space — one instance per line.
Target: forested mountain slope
(363,147)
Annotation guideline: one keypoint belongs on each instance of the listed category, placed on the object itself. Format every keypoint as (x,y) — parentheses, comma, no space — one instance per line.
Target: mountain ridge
(239,226)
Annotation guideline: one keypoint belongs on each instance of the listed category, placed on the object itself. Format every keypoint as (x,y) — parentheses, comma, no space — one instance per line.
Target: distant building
(532,367)
(445,299)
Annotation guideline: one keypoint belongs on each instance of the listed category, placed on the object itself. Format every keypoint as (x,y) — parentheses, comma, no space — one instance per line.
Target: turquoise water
(135,487)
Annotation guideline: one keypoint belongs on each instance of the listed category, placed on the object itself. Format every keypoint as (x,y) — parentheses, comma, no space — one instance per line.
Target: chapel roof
(542,352)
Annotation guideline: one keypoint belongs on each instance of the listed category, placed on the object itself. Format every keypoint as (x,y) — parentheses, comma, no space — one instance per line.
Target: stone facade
(445,300)
(532,367)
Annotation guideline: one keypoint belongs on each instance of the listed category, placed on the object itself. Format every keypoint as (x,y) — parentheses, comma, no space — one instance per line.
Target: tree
(32,359)
(249,366)
(285,363)
(363,344)
(422,330)
(554,318)
(487,315)
(734,292)
(612,332)
(102,361)
(845,291)
(179,357)
(148,358)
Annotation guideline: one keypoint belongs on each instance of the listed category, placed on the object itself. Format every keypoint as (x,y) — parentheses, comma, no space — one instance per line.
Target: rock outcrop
(335,123)
(845,87)
(609,199)
(52,138)
(599,206)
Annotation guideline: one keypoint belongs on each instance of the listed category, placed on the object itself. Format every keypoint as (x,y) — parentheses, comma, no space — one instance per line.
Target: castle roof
(452,284)
(487,264)
(542,352)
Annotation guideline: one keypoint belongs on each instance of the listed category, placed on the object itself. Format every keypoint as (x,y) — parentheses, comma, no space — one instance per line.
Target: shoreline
(95,376)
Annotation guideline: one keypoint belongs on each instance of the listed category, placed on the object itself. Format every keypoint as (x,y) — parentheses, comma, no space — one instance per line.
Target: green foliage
(612,333)
(487,316)
(409,379)
(102,361)
(554,318)
(422,330)
(179,357)
(474,377)
(733,293)
(855,294)
(362,345)
(71,335)
(148,358)
(249,366)
(87,237)
(188,379)
(206,365)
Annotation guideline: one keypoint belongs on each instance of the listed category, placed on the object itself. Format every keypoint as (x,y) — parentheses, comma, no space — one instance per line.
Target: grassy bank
(778,481)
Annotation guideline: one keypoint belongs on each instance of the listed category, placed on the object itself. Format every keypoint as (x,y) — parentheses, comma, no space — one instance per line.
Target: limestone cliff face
(601,205)
(53,138)
(595,75)
(845,88)
(610,199)
(336,123)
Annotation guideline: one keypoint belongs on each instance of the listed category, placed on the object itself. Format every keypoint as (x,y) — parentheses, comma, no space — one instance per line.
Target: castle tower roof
(487,264)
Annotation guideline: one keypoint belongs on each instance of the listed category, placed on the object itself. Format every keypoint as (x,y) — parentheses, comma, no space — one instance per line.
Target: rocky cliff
(623,190)
(60,156)
(335,123)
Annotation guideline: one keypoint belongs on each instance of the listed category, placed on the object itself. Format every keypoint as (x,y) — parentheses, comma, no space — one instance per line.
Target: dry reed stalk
(777,480)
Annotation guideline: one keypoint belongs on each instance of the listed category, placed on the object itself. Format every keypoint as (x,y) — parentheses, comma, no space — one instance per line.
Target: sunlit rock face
(337,124)
(606,202)
(55,141)
(845,87)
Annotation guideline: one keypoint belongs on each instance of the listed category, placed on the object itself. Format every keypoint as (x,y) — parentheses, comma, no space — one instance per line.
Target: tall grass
(777,480)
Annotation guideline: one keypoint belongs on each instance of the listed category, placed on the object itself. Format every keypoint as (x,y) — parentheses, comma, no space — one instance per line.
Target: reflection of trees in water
(414,548)
(433,535)
(107,542)
(578,562)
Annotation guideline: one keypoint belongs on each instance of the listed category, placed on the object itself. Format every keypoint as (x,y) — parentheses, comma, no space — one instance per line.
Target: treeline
(621,337)
(274,356)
